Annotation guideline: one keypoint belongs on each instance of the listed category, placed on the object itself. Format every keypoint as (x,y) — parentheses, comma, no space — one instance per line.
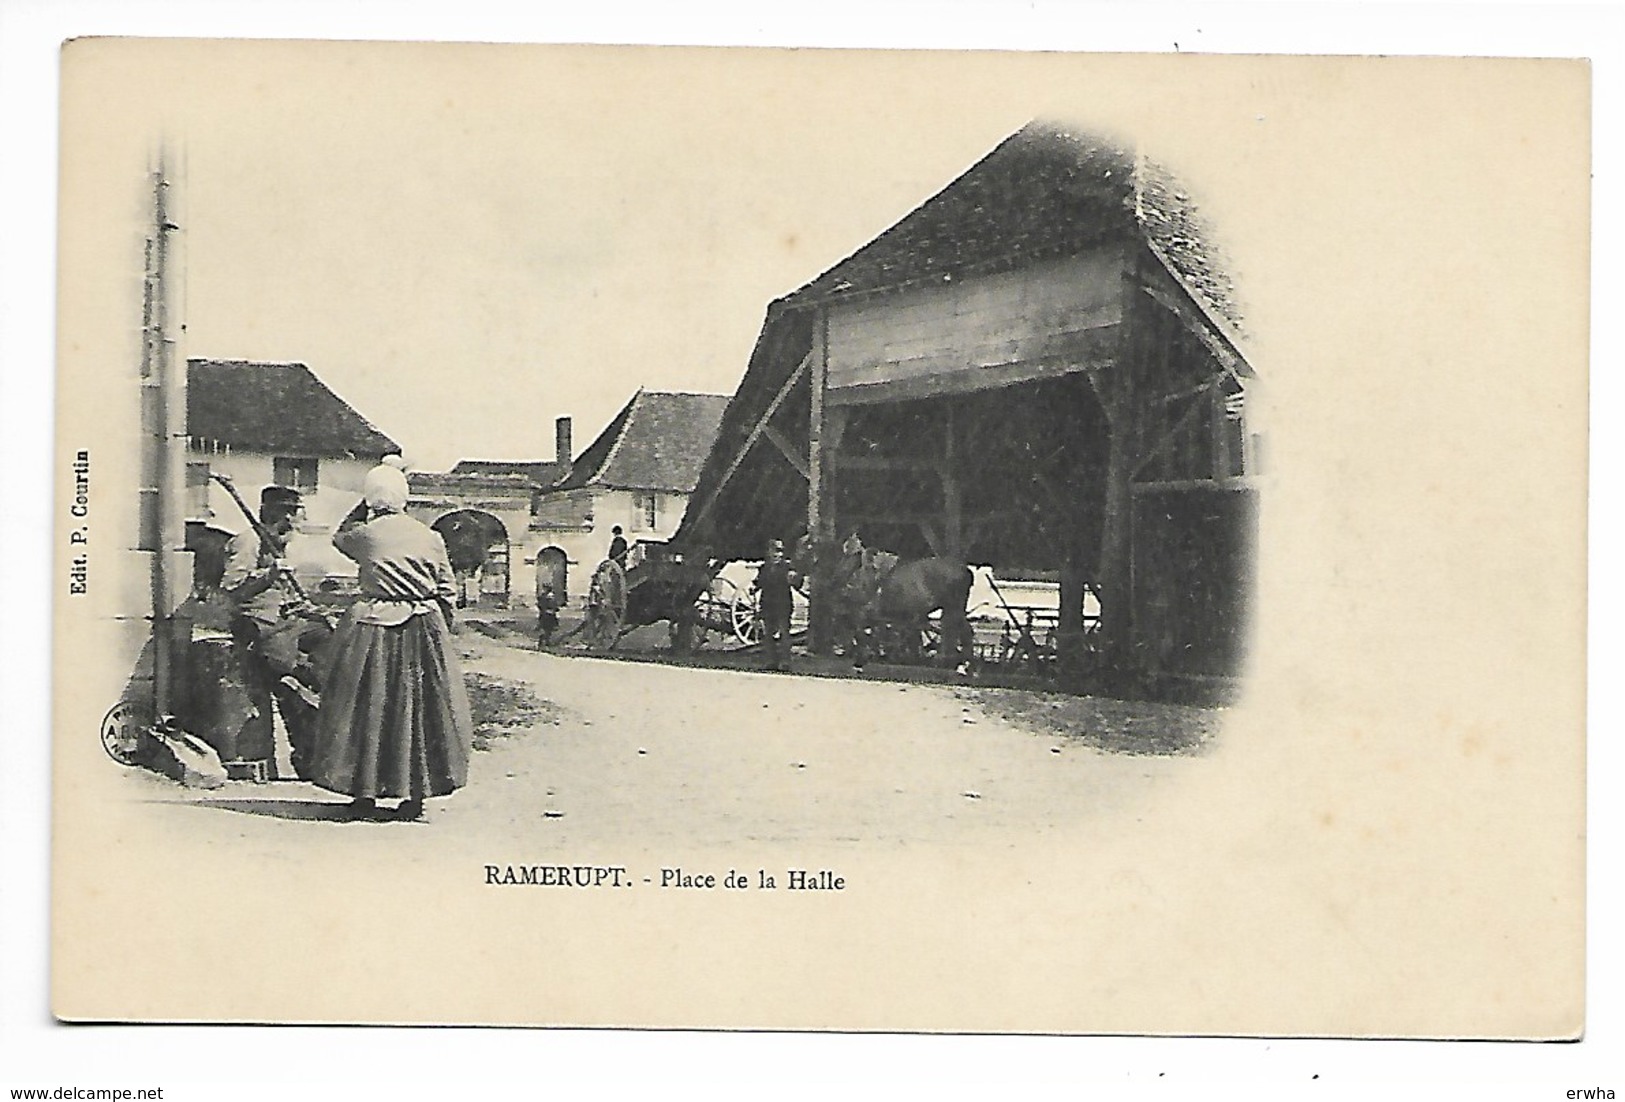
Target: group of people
(374,705)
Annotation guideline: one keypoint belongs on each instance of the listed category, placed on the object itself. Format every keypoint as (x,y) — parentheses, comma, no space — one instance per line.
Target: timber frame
(1102,444)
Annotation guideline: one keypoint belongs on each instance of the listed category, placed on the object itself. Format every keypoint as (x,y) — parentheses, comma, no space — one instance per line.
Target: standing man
(278,633)
(547,614)
(773,583)
(856,582)
(617,546)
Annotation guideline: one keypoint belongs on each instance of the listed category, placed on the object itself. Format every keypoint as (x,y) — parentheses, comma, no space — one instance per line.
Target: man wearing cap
(277,631)
(773,583)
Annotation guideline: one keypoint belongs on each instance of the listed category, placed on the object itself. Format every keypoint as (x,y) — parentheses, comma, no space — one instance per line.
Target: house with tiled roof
(275,423)
(637,474)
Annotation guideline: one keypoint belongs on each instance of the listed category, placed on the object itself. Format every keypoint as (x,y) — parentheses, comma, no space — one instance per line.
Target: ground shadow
(320,810)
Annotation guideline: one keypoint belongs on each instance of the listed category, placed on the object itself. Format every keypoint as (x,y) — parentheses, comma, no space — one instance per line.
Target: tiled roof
(657,441)
(540,472)
(1044,191)
(1047,191)
(282,408)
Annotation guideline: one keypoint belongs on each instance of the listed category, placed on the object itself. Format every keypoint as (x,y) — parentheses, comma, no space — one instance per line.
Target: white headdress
(385,489)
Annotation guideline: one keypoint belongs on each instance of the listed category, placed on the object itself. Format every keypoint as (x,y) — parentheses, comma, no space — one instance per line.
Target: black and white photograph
(820,540)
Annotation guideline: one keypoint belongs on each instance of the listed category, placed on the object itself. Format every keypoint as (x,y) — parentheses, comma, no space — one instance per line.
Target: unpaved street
(632,752)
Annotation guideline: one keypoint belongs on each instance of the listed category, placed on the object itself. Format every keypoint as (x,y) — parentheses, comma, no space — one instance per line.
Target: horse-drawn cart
(660,582)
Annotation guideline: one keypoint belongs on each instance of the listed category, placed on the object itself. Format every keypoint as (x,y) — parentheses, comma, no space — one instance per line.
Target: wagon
(661,582)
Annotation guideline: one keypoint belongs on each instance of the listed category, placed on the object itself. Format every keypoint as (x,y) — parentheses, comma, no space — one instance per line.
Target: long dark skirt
(395,719)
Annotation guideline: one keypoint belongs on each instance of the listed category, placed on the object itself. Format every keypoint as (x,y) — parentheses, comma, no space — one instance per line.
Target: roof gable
(658,441)
(281,408)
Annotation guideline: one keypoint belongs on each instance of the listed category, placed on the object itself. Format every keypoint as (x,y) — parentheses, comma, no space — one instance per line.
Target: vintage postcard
(821,540)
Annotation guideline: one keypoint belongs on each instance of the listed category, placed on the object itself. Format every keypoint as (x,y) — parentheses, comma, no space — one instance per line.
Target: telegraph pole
(164,441)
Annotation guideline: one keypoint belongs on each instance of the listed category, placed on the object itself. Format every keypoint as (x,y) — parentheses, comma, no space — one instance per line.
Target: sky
(466,260)
(468,241)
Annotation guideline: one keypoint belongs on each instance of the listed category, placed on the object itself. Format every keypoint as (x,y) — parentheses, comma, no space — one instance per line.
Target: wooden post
(952,513)
(815,421)
(820,613)
(1068,507)
(1118,390)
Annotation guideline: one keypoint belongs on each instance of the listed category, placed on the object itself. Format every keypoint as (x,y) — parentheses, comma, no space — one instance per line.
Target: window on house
(197,491)
(645,512)
(295,472)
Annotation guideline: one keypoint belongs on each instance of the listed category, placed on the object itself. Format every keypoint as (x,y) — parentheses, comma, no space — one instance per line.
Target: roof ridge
(277,404)
(800,291)
(620,438)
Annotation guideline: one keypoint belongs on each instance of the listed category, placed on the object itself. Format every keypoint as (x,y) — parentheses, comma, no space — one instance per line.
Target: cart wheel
(744,617)
(713,613)
(122,729)
(606,606)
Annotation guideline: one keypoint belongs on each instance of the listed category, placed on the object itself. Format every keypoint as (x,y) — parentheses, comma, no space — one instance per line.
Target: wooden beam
(1193,321)
(929,531)
(1234,484)
(883,463)
(786,449)
(1189,392)
(755,435)
(1169,437)
(922,519)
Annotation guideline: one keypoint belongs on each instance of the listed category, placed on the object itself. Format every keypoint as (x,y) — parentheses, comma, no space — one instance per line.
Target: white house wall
(595,512)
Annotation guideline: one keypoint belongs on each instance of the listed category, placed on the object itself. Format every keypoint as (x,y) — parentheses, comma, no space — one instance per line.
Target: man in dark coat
(773,583)
(547,614)
(617,546)
(278,633)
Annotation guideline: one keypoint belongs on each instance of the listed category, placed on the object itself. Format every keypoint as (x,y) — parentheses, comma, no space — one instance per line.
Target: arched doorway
(477,544)
(553,569)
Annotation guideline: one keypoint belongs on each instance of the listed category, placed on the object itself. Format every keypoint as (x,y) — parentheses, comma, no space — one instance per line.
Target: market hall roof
(1048,191)
(282,408)
(658,441)
(1045,191)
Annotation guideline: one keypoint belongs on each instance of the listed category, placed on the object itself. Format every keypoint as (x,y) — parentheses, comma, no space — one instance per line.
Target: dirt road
(638,752)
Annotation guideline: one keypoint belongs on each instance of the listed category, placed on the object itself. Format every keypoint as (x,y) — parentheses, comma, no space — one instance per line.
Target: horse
(879,591)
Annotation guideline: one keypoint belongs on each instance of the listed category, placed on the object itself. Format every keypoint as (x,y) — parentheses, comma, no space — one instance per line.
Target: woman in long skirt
(394,720)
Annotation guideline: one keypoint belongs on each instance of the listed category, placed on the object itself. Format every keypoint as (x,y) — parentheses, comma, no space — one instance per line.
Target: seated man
(278,632)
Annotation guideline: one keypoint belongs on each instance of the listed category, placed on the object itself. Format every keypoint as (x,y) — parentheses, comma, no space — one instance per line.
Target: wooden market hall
(1038,369)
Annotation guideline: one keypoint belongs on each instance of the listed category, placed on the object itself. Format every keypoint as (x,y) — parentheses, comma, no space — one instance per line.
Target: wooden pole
(163,374)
